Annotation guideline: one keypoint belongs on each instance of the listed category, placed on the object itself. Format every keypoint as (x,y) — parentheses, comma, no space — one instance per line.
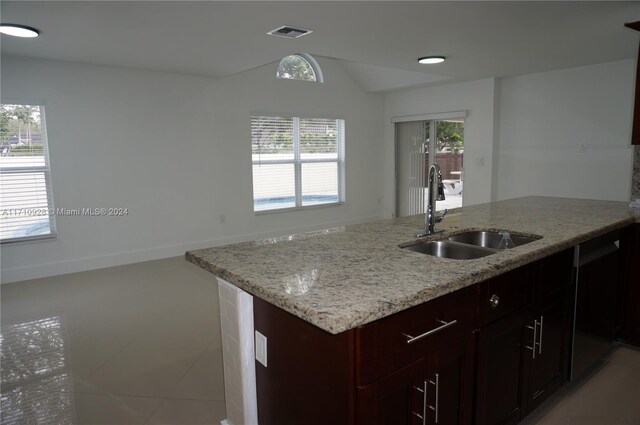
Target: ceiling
(378,41)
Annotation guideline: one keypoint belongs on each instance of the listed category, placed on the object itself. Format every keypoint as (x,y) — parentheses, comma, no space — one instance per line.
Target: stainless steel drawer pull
(540,335)
(435,408)
(424,405)
(437,395)
(494,301)
(445,325)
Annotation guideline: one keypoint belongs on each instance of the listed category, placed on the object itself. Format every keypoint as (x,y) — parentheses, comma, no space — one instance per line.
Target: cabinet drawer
(398,340)
(505,294)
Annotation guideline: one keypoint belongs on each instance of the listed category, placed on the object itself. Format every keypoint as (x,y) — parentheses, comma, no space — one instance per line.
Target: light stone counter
(341,278)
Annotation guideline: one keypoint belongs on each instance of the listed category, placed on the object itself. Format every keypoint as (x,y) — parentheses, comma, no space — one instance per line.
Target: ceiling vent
(289,32)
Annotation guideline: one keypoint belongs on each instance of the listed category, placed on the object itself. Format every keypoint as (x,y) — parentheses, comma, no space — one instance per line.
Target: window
(297,162)
(25,181)
(300,67)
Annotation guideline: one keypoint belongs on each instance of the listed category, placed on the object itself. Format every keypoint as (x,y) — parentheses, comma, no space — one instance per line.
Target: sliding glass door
(418,145)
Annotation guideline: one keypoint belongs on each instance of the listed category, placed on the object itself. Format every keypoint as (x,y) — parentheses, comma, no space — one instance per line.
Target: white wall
(529,130)
(175,150)
(477,97)
(545,118)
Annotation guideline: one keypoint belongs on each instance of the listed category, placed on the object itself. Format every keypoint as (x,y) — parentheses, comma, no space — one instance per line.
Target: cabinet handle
(494,301)
(437,385)
(445,325)
(540,335)
(535,338)
(423,417)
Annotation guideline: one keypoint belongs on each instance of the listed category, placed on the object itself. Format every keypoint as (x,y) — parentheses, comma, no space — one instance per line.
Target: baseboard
(37,271)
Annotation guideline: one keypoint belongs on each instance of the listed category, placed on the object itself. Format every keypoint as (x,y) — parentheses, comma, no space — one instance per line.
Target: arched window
(300,66)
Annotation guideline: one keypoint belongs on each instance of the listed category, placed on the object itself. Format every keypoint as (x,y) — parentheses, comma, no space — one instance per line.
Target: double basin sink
(469,245)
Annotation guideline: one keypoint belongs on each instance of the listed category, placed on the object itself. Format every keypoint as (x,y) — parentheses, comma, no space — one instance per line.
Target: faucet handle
(440,216)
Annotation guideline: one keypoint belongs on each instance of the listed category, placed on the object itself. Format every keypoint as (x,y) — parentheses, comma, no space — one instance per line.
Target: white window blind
(26,204)
(297,162)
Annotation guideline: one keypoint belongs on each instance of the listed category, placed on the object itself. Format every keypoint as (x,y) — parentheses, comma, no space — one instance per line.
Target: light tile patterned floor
(141,344)
(133,344)
(608,395)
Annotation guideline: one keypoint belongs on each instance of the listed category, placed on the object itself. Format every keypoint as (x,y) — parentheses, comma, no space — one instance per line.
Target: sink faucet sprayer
(436,193)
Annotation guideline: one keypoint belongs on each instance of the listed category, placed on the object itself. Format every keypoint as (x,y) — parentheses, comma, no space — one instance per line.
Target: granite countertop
(338,279)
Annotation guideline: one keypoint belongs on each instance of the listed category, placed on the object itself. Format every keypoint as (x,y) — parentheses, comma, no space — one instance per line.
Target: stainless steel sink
(490,239)
(468,245)
(450,249)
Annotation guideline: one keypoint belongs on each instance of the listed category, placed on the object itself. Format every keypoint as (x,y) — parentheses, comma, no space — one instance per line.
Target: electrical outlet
(583,148)
(261,348)
(223,218)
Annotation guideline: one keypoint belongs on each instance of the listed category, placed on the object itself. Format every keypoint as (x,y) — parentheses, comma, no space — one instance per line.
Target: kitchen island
(362,275)
(329,300)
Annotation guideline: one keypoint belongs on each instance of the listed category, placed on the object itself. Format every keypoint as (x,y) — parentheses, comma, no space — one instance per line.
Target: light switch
(261,348)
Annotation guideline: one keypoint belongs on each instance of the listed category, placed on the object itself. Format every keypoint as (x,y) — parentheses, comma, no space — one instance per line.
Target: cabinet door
(501,351)
(549,360)
(450,384)
(397,399)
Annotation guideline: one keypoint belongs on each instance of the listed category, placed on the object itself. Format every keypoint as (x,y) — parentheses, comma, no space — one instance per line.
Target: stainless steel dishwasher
(597,272)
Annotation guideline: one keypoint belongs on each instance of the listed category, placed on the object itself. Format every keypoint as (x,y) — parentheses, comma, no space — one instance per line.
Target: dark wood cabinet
(630,331)
(437,388)
(523,356)
(486,354)
(453,374)
(309,378)
(501,357)
(396,399)
(548,359)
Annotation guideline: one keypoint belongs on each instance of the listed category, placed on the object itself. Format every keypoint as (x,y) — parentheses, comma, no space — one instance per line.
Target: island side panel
(309,378)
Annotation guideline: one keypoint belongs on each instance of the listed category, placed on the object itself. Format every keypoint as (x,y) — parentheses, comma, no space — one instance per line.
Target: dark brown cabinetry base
(310,373)
(523,355)
(630,331)
(487,354)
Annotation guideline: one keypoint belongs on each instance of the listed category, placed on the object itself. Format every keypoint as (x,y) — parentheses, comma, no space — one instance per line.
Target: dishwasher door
(597,264)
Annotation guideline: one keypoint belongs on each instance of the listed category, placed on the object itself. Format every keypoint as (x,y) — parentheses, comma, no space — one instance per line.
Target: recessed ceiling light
(431,59)
(19,30)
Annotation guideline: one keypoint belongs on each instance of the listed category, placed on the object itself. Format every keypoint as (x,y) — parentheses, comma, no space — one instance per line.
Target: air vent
(289,32)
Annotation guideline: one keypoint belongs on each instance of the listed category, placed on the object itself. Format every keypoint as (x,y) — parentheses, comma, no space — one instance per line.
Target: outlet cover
(261,348)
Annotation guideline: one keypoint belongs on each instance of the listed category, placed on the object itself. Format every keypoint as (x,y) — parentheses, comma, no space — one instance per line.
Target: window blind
(412,159)
(296,161)
(26,204)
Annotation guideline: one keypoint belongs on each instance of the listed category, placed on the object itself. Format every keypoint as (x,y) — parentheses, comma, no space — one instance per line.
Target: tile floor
(141,344)
(607,395)
(132,344)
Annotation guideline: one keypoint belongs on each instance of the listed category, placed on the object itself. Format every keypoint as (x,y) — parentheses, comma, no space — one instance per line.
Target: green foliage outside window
(20,132)
(450,134)
(295,67)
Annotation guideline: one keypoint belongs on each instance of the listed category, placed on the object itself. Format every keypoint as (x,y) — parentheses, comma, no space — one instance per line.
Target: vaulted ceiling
(379,41)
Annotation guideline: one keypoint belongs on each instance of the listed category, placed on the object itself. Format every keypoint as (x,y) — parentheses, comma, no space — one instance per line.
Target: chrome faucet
(436,193)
